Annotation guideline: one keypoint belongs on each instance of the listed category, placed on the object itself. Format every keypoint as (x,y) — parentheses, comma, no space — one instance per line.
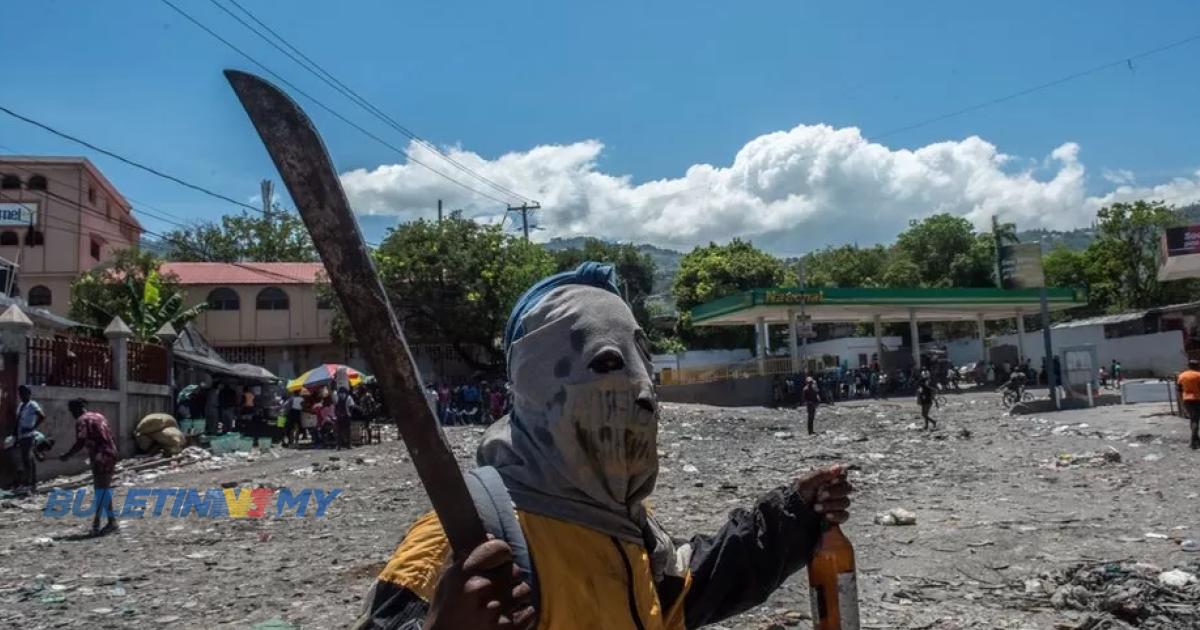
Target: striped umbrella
(322,375)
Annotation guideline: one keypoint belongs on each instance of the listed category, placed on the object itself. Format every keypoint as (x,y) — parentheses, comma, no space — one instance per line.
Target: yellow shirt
(583,580)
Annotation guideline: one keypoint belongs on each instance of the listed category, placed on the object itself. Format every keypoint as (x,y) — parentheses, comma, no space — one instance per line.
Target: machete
(309,175)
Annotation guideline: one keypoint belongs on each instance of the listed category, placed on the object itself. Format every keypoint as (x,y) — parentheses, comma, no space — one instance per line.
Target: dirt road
(999,511)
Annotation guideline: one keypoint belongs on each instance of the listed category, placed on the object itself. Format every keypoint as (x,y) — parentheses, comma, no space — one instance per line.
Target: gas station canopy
(774,306)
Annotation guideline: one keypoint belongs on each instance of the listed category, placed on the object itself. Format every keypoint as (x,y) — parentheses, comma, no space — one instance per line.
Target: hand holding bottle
(828,492)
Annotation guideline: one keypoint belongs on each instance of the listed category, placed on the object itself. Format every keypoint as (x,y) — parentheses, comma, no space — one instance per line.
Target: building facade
(265,314)
(59,217)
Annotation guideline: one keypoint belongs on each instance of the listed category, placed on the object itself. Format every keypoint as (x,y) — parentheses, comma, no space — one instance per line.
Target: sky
(796,125)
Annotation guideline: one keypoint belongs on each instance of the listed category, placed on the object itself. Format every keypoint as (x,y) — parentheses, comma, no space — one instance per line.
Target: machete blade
(308,172)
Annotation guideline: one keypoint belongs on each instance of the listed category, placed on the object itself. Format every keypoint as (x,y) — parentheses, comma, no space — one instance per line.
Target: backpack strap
(495,507)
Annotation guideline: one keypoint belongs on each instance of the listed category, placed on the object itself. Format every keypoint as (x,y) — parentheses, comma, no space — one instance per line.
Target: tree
(1122,261)
(1065,267)
(715,271)
(131,286)
(455,282)
(635,269)
(935,244)
(901,272)
(846,266)
(277,236)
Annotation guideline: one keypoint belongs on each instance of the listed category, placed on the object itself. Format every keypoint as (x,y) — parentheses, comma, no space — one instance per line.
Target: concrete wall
(847,349)
(302,324)
(700,358)
(1157,354)
(745,392)
(963,351)
(60,426)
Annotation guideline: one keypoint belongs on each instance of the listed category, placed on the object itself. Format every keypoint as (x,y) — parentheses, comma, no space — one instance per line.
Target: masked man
(578,456)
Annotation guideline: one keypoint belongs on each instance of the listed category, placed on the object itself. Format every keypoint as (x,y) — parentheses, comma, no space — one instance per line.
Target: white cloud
(790,191)
(1119,176)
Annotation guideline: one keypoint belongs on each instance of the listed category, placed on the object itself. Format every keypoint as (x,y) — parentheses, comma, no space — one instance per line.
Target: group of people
(832,384)
(1112,377)
(334,411)
(227,407)
(480,402)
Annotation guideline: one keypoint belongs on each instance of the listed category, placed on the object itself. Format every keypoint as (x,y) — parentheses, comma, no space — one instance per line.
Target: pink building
(266,314)
(59,217)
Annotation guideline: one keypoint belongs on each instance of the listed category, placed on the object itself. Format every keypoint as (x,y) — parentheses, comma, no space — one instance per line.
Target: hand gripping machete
(308,173)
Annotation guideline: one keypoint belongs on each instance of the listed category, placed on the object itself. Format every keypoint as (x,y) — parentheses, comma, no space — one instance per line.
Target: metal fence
(148,363)
(65,361)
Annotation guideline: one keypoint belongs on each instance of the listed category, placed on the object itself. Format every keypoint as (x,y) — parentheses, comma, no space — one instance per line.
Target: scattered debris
(1176,578)
(896,516)
(1139,594)
(1090,458)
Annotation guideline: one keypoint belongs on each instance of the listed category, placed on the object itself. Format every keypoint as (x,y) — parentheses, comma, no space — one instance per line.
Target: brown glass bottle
(832,583)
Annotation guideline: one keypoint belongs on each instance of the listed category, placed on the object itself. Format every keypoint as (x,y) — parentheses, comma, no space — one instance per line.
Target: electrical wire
(325,107)
(1124,61)
(172,220)
(332,81)
(121,158)
(183,245)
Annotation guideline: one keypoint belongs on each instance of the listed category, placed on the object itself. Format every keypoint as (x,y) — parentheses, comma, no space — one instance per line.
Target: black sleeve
(392,607)
(750,557)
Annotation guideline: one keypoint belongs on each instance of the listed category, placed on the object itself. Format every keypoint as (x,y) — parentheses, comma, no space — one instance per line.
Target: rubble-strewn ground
(1007,512)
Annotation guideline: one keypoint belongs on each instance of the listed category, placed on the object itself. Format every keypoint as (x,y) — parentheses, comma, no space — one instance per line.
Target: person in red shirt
(1189,392)
(92,432)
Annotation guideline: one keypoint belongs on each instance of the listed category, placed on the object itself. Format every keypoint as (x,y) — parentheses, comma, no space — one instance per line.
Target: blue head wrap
(599,275)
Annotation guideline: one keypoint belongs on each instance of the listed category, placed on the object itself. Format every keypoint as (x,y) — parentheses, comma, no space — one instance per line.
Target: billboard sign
(1183,241)
(18,213)
(1021,266)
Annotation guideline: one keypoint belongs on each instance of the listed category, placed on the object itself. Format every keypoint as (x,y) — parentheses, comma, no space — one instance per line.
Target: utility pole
(267,190)
(803,317)
(439,210)
(524,209)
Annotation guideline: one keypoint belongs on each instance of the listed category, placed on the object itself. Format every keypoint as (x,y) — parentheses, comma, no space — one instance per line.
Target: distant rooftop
(1120,318)
(245,273)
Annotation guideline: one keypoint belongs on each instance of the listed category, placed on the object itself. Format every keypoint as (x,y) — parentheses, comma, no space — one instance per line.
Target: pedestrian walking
(1188,384)
(925,397)
(29,417)
(812,398)
(1117,378)
(92,432)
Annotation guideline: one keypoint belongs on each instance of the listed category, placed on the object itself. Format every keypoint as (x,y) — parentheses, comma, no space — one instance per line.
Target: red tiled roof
(244,273)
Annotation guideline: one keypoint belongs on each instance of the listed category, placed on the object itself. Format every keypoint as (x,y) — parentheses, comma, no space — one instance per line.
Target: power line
(171,219)
(121,158)
(332,81)
(1124,61)
(183,245)
(142,206)
(325,107)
